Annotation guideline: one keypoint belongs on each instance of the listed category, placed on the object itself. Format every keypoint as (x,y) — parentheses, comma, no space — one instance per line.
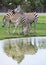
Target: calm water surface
(36,57)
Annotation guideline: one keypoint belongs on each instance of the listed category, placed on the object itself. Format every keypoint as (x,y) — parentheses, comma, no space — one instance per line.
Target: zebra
(28,17)
(21,18)
(11,18)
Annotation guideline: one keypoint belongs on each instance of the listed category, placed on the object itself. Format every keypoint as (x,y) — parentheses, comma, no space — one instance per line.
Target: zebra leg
(25,30)
(9,27)
(14,29)
(16,25)
(35,27)
(29,27)
(22,28)
(19,29)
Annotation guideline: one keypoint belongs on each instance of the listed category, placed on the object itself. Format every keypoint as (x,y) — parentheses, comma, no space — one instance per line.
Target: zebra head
(19,10)
(3,22)
(5,19)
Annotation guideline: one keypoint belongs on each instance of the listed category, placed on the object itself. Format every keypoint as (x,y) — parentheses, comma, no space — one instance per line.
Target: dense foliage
(30,5)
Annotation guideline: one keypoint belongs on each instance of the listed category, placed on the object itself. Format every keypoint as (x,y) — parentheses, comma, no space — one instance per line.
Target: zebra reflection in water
(18,48)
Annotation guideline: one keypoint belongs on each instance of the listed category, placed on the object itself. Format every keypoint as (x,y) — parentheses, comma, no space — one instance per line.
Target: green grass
(40,29)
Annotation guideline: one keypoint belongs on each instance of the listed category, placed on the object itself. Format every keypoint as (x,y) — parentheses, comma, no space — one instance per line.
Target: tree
(44,5)
(13,5)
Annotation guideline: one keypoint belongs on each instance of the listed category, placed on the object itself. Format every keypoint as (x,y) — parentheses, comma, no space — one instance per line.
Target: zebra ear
(34,13)
(7,14)
(13,11)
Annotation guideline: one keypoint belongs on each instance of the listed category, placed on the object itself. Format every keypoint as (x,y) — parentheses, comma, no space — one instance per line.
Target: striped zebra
(11,18)
(20,18)
(28,18)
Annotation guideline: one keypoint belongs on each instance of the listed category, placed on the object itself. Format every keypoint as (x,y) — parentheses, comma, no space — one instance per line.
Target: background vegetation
(28,5)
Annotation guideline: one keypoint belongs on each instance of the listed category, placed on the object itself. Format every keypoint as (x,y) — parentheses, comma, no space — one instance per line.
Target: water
(36,57)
